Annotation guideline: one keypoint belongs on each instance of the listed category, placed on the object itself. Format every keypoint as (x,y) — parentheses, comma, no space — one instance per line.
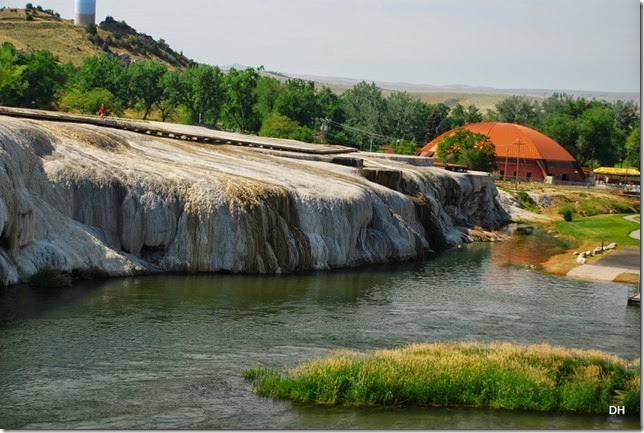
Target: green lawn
(600,228)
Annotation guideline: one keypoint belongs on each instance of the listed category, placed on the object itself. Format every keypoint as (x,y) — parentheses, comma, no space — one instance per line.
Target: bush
(88,102)
(528,202)
(567,212)
(50,277)
(279,126)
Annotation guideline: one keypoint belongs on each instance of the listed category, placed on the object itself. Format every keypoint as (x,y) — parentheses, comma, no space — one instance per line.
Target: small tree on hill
(468,148)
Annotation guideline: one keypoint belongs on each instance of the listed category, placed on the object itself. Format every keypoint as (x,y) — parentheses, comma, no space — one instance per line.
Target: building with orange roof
(537,156)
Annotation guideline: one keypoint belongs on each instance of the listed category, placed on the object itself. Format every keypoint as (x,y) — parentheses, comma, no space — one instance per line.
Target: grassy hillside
(37,30)
(46,32)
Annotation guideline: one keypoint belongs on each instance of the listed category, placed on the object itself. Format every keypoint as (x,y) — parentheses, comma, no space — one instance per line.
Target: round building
(537,156)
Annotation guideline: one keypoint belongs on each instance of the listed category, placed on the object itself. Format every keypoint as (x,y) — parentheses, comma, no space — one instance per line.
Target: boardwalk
(195,133)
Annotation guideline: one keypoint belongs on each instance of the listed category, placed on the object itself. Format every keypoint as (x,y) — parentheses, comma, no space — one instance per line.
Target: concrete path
(623,260)
(635,234)
(610,267)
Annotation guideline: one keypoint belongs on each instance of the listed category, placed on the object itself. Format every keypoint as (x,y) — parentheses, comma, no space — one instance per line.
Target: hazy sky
(541,44)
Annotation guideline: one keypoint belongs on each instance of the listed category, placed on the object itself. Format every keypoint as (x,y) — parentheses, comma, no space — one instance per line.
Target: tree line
(251,101)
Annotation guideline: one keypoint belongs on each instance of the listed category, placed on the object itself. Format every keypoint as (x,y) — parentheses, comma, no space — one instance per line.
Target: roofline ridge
(492,126)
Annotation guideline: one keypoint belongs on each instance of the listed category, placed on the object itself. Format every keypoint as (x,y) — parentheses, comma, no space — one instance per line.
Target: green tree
(30,79)
(596,127)
(460,116)
(103,72)
(88,101)
(633,147)
(365,109)
(560,114)
(627,117)
(436,118)
(241,97)
(331,114)
(280,126)
(12,82)
(404,117)
(464,147)
(516,109)
(145,86)
(169,101)
(201,92)
(562,128)
(267,91)
(297,100)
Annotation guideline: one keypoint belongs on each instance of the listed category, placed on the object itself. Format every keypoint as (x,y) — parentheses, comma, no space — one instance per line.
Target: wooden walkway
(195,133)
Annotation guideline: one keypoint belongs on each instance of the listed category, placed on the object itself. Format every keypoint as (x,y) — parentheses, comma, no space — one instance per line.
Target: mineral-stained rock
(80,196)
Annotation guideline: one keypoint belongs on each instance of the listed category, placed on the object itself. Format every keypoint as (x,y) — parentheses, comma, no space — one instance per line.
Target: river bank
(596,223)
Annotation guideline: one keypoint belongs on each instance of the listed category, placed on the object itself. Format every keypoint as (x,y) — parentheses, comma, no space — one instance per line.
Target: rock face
(78,197)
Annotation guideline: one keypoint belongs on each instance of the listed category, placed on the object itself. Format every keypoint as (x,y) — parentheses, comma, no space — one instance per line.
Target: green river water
(169,351)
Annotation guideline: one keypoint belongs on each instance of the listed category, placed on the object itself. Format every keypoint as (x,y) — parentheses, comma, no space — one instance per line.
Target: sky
(592,45)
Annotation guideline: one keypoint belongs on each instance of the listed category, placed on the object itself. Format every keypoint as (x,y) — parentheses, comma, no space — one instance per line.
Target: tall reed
(498,375)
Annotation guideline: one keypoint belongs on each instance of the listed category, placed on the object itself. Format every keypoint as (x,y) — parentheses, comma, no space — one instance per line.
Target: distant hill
(39,29)
(481,97)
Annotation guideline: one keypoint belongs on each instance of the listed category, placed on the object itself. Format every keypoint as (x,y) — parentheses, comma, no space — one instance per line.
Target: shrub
(528,202)
(567,212)
(88,102)
(50,277)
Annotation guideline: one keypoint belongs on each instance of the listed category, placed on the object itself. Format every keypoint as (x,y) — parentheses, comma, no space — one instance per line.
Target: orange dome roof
(535,144)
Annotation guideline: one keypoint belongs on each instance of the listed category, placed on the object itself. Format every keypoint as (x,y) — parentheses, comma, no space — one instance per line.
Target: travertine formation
(80,196)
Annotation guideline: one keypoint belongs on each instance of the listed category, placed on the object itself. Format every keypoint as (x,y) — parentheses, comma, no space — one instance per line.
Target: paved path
(612,265)
(635,234)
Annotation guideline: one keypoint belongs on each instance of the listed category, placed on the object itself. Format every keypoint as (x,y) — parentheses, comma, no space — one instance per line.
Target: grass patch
(600,228)
(597,206)
(588,233)
(500,375)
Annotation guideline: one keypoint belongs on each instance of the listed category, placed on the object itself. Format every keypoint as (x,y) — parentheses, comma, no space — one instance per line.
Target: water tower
(85,12)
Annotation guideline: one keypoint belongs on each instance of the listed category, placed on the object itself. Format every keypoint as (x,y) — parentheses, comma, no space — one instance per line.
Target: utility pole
(507,151)
(519,143)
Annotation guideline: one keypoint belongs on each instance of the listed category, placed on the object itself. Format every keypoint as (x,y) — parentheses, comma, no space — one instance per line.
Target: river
(169,351)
